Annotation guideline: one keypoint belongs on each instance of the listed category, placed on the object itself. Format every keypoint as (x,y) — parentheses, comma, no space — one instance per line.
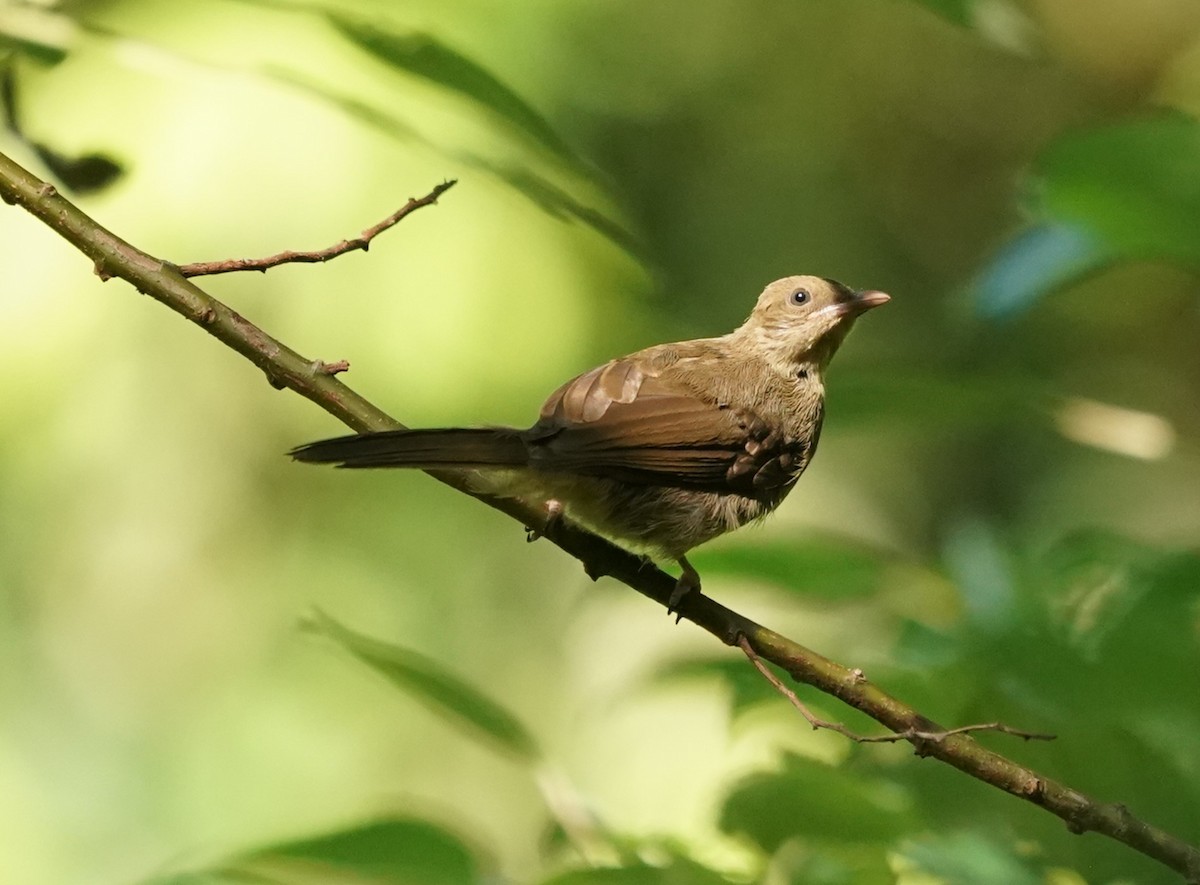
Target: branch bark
(285,368)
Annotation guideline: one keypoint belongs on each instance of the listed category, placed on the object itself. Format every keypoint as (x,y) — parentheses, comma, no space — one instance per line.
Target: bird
(663,449)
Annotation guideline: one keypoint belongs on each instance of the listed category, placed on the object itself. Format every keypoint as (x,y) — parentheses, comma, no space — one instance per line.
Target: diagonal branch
(284,367)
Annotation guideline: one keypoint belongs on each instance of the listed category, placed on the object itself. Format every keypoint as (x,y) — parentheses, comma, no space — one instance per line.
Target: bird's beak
(862,302)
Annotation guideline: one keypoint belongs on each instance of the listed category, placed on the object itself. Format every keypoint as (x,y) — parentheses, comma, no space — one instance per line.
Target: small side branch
(914,735)
(362,241)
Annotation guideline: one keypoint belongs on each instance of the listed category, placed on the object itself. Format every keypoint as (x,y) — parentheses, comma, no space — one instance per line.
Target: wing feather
(623,422)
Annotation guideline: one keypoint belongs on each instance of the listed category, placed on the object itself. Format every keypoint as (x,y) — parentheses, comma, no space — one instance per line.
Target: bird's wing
(625,420)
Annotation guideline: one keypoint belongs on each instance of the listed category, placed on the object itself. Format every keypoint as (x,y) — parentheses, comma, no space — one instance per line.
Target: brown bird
(663,449)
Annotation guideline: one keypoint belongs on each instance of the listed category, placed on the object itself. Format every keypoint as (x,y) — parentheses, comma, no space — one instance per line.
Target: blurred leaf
(983,570)
(440,690)
(40,35)
(970,857)
(556,202)
(43,53)
(810,799)
(852,864)
(395,851)
(1135,185)
(1112,594)
(680,871)
(921,647)
(957,11)
(1124,192)
(749,688)
(390,851)
(932,402)
(83,174)
(425,56)
(827,567)
(549,197)
(1035,263)
(204,877)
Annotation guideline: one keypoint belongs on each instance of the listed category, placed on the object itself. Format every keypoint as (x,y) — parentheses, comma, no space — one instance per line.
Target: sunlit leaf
(813,800)
(425,56)
(825,567)
(427,681)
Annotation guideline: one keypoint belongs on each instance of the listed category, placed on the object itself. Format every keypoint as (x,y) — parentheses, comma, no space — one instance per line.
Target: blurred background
(1003,522)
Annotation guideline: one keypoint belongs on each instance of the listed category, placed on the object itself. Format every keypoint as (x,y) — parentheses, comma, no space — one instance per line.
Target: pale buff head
(801,320)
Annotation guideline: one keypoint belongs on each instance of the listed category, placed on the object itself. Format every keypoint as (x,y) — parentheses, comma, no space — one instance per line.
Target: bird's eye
(800,296)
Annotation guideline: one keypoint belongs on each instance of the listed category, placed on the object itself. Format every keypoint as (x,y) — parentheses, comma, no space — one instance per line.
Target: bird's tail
(449,447)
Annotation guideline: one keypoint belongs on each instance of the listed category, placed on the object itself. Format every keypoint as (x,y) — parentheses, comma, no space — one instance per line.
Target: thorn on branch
(362,242)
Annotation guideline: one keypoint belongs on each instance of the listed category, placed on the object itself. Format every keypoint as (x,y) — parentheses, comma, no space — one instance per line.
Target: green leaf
(747,684)
(1124,192)
(957,11)
(971,857)
(425,56)
(40,35)
(429,682)
(679,871)
(1134,185)
(546,195)
(812,800)
(387,851)
(929,402)
(393,851)
(922,647)
(826,567)
(1111,594)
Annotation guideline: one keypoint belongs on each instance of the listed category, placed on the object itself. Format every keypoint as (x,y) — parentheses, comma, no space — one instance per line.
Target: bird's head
(802,320)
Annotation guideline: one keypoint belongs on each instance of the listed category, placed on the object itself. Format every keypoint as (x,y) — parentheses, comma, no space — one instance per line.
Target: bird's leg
(554,509)
(688,581)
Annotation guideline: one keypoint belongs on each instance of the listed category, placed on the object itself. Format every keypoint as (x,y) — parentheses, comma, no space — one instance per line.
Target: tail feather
(449,447)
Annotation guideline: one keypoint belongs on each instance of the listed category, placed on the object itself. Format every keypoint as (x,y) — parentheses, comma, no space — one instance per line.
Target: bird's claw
(554,509)
(688,582)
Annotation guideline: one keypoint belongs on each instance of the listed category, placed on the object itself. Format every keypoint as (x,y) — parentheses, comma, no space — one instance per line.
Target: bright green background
(1002,524)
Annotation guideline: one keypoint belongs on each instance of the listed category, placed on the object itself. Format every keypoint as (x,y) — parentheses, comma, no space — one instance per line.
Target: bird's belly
(658,520)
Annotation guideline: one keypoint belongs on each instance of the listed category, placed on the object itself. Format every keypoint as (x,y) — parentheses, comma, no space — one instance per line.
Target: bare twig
(913,735)
(286,368)
(362,241)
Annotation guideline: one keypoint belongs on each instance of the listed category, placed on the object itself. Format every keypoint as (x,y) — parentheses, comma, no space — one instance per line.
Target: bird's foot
(554,509)
(688,582)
